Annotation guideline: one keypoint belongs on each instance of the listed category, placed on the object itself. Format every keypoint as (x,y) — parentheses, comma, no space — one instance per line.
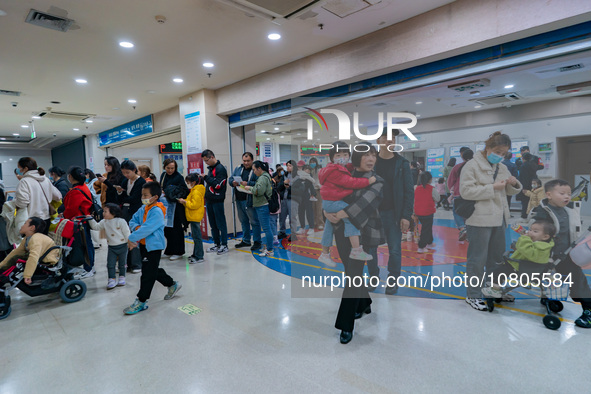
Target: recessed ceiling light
(282,136)
(115,109)
(208,64)
(268,139)
(274,36)
(477,106)
(16,134)
(24,126)
(509,86)
(2,138)
(88,120)
(177,80)
(81,81)
(276,128)
(10,159)
(299,133)
(36,117)
(76,129)
(132,101)
(150,91)
(419,102)
(126,44)
(418,115)
(263,131)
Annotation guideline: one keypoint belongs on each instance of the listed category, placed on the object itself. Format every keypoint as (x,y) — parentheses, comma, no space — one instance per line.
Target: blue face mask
(493,158)
(312,165)
(19,172)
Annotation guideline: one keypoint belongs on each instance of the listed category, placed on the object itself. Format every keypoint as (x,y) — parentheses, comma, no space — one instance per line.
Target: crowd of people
(360,200)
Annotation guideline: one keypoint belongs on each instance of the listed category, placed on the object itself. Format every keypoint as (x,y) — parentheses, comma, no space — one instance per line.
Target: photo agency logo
(392,120)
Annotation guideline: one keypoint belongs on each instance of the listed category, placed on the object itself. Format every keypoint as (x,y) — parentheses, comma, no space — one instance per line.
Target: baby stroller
(581,191)
(48,278)
(553,287)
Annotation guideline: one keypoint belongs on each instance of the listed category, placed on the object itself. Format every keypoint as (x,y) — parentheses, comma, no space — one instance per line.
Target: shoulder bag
(465,208)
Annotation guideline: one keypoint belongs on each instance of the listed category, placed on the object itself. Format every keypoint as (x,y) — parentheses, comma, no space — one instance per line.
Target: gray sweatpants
(117,252)
(485,251)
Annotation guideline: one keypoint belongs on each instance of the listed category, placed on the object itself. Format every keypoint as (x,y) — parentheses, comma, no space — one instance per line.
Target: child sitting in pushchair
(534,246)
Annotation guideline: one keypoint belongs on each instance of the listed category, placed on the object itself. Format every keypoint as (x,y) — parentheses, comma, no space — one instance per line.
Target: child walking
(194,210)
(116,230)
(425,197)
(147,226)
(442,193)
(337,183)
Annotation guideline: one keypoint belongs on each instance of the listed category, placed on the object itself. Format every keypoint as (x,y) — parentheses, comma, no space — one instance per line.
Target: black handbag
(465,208)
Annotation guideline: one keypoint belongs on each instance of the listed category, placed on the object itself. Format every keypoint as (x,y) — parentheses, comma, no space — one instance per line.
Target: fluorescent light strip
(452,75)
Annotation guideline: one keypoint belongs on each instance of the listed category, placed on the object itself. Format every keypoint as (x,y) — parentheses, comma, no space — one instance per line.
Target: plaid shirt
(363,210)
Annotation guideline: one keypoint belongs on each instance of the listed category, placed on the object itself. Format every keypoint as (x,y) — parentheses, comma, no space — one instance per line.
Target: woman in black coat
(174,187)
(110,181)
(130,199)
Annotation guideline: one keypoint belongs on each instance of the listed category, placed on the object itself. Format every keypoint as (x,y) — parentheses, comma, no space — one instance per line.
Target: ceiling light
(177,80)
(82,81)
(208,64)
(88,120)
(76,129)
(24,126)
(282,136)
(509,86)
(477,106)
(274,36)
(418,115)
(10,159)
(268,139)
(132,101)
(126,44)
(299,133)
(263,131)
(16,134)
(115,109)
(276,128)
(2,138)
(36,117)
(419,102)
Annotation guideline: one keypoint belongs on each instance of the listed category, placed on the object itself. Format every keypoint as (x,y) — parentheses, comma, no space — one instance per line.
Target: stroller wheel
(5,313)
(555,306)
(490,303)
(551,322)
(73,291)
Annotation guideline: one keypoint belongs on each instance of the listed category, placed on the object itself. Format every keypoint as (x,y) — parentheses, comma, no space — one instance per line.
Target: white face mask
(343,161)
(146,201)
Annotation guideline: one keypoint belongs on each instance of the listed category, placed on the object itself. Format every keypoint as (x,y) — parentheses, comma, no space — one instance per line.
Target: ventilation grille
(49,21)
(59,115)
(470,85)
(574,88)
(10,92)
(283,8)
(499,99)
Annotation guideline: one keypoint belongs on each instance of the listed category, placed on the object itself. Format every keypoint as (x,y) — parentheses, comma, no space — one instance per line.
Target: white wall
(151,152)
(9,158)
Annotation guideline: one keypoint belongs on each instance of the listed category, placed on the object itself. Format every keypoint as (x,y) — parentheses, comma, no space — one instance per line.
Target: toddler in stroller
(37,267)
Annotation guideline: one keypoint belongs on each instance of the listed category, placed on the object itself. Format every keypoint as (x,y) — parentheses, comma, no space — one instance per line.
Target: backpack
(96,211)
(274,200)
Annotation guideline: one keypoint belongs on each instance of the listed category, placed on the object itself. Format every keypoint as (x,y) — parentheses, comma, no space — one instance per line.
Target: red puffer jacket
(76,203)
(337,182)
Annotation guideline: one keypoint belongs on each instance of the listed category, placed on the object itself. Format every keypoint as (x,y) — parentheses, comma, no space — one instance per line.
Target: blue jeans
(274,218)
(334,207)
(217,221)
(460,222)
(244,220)
(265,221)
(394,239)
(254,222)
(197,241)
(285,212)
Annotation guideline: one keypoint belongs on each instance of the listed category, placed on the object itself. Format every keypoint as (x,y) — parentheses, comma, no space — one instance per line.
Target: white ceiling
(532,83)
(43,63)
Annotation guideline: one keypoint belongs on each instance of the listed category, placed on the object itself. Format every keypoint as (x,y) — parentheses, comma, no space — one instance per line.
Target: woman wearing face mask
(35,191)
(487,181)
(174,187)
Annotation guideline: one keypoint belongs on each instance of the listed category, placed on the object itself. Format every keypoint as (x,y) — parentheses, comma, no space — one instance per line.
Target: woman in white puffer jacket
(35,191)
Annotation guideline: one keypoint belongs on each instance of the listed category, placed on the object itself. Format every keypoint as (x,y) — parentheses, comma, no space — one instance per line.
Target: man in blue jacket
(216,182)
(396,207)
(245,176)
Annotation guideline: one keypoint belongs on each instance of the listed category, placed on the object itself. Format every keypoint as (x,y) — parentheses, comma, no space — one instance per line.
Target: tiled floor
(253,336)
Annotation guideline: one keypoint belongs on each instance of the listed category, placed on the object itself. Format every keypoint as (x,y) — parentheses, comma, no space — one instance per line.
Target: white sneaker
(111,284)
(223,249)
(422,250)
(312,198)
(213,249)
(266,253)
(477,303)
(491,292)
(301,231)
(166,256)
(85,274)
(136,270)
(121,281)
(359,254)
(175,257)
(326,260)
(431,246)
